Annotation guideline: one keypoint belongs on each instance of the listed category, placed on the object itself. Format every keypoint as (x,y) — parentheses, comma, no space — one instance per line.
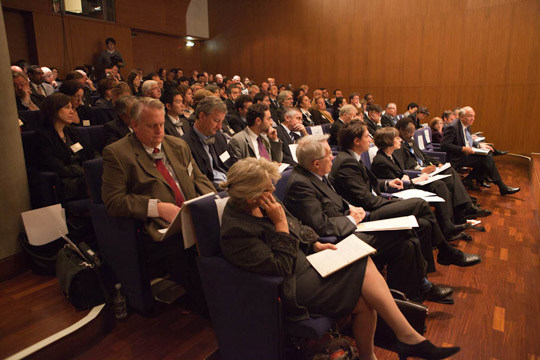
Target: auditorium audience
(373,120)
(150,88)
(346,114)
(436,125)
(24,97)
(61,149)
(319,106)
(259,235)
(304,105)
(289,132)
(74,90)
(175,122)
(105,87)
(237,120)
(389,118)
(120,126)
(337,105)
(134,82)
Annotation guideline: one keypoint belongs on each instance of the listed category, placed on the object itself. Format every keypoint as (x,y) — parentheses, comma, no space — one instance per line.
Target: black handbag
(80,278)
(414,312)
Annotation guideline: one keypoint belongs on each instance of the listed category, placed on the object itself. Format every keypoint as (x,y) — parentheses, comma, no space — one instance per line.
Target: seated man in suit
(233,91)
(207,144)
(290,131)
(147,175)
(373,120)
(258,139)
(25,98)
(116,129)
(175,122)
(37,81)
(346,114)
(150,88)
(313,201)
(284,101)
(412,158)
(237,121)
(459,145)
(389,118)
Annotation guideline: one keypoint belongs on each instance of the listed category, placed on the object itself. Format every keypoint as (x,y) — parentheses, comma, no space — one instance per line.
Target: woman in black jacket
(61,148)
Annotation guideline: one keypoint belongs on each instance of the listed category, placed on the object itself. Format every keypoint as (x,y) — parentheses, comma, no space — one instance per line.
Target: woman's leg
(364,321)
(377,296)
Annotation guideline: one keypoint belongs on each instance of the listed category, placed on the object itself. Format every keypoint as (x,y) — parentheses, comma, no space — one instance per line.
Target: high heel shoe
(425,350)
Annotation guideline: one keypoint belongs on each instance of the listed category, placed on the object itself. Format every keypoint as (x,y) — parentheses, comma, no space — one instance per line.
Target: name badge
(317,130)
(76,147)
(231,130)
(20,122)
(180,130)
(190,168)
(225,156)
(86,123)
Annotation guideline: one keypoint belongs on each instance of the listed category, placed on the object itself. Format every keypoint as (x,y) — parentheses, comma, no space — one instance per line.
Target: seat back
(96,134)
(281,186)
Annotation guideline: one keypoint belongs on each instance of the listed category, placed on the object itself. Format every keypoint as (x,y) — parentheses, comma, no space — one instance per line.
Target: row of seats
(89,116)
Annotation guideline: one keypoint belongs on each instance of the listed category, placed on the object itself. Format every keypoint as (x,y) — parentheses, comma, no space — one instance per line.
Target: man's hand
(357,213)
(396,184)
(405,178)
(486,146)
(422,177)
(429,169)
(272,134)
(320,247)
(300,128)
(167,211)
(467,150)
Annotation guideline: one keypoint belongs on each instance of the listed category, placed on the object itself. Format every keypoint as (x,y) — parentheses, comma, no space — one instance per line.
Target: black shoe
(461,236)
(437,293)
(508,190)
(458,258)
(485,184)
(499,152)
(425,350)
(456,229)
(476,211)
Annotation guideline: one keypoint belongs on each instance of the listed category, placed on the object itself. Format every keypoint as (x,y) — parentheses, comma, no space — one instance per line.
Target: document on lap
(478,151)
(432,179)
(348,251)
(397,223)
(417,193)
(440,169)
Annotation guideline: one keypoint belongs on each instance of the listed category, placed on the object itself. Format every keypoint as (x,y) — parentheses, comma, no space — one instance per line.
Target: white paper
(412,193)
(225,156)
(428,135)
(398,223)
(282,167)
(478,151)
(432,179)
(440,169)
(220,205)
(349,250)
(86,123)
(293,147)
(474,222)
(188,233)
(44,224)
(317,130)
(420,140)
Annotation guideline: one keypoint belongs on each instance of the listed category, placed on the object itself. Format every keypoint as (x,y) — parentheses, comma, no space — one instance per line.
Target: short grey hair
(283,95)
(147,85)
(144,103)
(246,178)
(464,110)
(208,105)
(346,109)
(290,112)
(311,148)
(122,104)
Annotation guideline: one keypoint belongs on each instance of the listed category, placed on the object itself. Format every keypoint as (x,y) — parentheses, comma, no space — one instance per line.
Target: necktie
(262,149)
(216,164)
(373,183)
(294,136)
(41,90)
(160,166)
(418,159)
(325,180)
(469,137)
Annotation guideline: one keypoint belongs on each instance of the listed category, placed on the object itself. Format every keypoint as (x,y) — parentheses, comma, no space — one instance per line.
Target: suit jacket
(286,140)
(47,88)
(231,108)
(355,183)
(333,140)
(408,160)
(372,127)
(200,155)
(236,123)
(35,98)
(308,121)
(388,121)
(240,147)
(384,168)
(170,128)
(131,179)
(318,206)
(227,129)
(436,137)
(453,141)
(115,130)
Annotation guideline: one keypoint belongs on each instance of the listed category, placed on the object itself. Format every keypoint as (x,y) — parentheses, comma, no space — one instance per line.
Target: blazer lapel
(181,171)
(249,143)
(146,162)
(326,190)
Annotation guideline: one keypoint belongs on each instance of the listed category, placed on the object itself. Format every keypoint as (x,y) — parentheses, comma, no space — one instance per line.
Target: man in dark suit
(116,129)
(412,158)
(148,175)
(346,114)
(459,145)
(311,199)
(373,120)
(26,100)
(389,118)
(207,144)
(233,91)
(175,125)
(237,121)
(289,132)
(258,139)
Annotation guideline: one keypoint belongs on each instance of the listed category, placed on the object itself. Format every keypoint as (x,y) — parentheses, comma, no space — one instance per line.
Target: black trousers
(402,253)
(482,165)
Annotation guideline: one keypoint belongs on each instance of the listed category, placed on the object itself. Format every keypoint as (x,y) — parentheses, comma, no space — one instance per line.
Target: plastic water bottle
(120,307)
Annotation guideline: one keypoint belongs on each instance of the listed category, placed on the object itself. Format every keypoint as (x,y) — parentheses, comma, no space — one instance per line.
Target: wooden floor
(496,315)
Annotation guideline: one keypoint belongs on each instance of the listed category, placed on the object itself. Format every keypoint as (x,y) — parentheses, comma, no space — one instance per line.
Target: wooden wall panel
(440,54)
(151,51)
(18,34)
(50,42)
